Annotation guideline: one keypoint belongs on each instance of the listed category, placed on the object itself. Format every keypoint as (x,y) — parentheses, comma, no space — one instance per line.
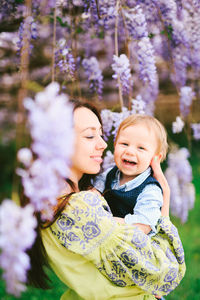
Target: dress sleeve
(123,253)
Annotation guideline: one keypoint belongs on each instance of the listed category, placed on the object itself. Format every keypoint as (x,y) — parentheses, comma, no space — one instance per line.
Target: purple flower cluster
(146,60)
(186,97)
(196,130)
(118,118)
(108,160)
(45,7)
(181,62)
(178,125)
(136,22)
(94,74)
(121,67)
(50,119)
(111,121)
(193,30)
(107,119)
(65,61)
(8,8)
(179,177)
(90,7)
(138,105)
(17,235)
(27,29)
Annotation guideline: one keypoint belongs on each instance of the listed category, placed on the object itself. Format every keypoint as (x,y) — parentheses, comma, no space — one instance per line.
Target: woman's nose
(101,143)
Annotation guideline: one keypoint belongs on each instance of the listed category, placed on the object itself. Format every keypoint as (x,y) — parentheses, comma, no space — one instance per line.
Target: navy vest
(122,203)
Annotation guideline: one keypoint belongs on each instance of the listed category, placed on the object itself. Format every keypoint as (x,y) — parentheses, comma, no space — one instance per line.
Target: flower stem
(54,46)
(20,126)
(117,54)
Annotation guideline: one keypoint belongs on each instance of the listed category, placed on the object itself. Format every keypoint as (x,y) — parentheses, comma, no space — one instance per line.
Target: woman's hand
(158,174)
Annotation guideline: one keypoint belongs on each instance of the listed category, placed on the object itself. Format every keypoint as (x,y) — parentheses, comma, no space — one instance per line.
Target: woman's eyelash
(89,137)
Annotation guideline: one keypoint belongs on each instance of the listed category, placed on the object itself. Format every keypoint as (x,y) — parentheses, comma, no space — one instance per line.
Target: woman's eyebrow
(92,128)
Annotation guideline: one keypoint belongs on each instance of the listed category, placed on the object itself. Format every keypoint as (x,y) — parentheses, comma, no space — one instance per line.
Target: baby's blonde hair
(152,124)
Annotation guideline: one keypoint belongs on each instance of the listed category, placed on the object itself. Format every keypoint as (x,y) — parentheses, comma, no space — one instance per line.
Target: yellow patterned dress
(99,259)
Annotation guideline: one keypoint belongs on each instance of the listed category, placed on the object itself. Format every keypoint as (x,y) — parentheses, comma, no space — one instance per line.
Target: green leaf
(62,24)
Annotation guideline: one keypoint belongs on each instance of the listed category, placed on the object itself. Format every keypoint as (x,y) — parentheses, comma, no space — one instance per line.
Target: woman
(93,254)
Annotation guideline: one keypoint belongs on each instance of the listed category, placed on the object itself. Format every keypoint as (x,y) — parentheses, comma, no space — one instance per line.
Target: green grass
(58,288)
(189,288)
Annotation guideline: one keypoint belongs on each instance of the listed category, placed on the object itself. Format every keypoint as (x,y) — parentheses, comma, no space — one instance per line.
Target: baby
(129,188)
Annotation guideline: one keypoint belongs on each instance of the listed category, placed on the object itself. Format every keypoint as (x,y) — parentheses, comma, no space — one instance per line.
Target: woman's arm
(158,174)
(122,253)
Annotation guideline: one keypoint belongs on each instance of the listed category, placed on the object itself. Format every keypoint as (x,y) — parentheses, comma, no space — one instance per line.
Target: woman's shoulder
(86,198)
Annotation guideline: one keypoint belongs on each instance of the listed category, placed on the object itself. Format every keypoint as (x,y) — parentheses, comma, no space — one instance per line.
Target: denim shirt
(148,206)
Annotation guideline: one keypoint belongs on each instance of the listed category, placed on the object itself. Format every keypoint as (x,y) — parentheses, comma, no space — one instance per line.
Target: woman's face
(89,144)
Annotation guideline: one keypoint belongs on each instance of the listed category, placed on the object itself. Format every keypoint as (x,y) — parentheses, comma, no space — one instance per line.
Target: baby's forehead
(141,124)
(140,130)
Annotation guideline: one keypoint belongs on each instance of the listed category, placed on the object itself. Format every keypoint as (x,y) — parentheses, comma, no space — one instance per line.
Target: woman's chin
(93,171)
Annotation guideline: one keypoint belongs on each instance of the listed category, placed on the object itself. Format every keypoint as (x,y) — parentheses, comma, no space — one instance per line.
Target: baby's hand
(158,174)
(119,220)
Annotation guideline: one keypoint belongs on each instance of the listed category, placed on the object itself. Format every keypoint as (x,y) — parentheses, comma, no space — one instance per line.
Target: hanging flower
(51,128)
(94,74)
(178,125)
(138,105)
(179,177)
(186,98)
(17,235)
(121,67)
(196,130)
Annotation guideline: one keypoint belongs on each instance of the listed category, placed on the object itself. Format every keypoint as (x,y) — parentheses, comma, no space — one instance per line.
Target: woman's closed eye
(89,137)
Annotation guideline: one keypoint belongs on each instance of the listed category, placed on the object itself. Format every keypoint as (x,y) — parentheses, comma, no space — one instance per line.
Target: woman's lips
(97,158)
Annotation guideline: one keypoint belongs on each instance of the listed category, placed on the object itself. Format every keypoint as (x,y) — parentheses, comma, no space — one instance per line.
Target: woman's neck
(75,177)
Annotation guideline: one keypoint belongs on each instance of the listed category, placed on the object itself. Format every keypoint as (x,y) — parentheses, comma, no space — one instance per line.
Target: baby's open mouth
(130,162)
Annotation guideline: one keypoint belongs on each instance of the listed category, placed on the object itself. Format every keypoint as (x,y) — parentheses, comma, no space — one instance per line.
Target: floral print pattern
(122,253)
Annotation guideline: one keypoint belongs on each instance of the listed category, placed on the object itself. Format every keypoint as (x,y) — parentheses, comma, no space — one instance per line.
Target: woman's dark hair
(85,181)
(37,275)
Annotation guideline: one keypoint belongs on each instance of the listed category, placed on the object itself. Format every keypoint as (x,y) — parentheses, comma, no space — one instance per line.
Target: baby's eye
(124,144)
(141,148)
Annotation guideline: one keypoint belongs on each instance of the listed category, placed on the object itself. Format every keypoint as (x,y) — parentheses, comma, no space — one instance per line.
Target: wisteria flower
(108,161)
(25,156)
(28,30)
(121,67)
(51,128)
(118,117)
(179,177)
(196,130)
(138,105)
(136,22)
(107,120)
(94,74)
(17,235)
(186,97)
(146,58)
(178,125)
(66,61)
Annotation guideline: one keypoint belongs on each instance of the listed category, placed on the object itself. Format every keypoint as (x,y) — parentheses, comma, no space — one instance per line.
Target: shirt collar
(132,183)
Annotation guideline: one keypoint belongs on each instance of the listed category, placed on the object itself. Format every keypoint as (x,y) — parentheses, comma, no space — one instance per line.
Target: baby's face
(134,149)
